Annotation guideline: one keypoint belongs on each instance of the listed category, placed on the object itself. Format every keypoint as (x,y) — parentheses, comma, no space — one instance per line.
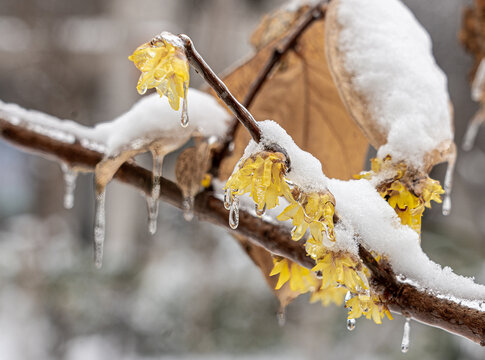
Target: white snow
(389,56)
(379,228)
(306,170)
(150,118)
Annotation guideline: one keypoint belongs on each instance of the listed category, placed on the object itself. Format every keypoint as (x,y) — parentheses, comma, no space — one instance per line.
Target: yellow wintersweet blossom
(334,294)
(262,176)
(314,211)
(340,269)
(164,67)
(406,194)
(301,279)
(371,306)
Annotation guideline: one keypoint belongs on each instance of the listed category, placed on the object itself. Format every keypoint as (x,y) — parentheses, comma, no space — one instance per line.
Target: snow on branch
(406,298)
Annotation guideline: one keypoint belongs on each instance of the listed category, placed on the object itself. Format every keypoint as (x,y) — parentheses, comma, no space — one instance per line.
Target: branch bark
(401,298)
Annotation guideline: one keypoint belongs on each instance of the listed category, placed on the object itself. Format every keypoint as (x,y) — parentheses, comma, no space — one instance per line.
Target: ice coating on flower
(371,306)
(262,176)
(163,66)
(312,211)
(407,191)
(331,295)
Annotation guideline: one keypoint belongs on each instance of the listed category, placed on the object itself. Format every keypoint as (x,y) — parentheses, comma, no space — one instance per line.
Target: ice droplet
(448,183)
(185,116)
(234,213)
(281,316)
(259,212)
(188,208)
(70,177)
(350,324)
(405,336)
(227,199)
(99,228)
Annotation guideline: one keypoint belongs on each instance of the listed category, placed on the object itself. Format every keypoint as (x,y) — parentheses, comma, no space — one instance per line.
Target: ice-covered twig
(285,45)
(405,298)
(241,113)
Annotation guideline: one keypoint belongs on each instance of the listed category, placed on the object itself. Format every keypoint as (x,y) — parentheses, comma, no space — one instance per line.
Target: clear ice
(448,183)
(472,131)
(153,203)
(70,177)
(234,213)
(350,324)
(227,199)
(185,116)
(259,212)
(405,336)
(99,228)
(188,208)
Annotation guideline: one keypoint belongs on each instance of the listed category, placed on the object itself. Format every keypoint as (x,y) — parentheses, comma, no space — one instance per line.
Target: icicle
(227,199)
(234,213)
(448,183)
(152,207)
(472,130)
(259,212)
(281,316)
(185,116)
(70,177)
(350,324)
(188,208)
(99,228)
(152,202)
(405,336)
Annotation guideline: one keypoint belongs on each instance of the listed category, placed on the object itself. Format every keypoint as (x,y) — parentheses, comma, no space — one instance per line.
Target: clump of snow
(378,226)
(389,56)
(306,170)
(152,117)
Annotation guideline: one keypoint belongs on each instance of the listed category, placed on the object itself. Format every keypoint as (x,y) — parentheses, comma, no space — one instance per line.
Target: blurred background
(188,292)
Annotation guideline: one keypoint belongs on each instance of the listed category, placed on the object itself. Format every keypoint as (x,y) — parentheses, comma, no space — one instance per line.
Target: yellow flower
(329,295)
(337,268)
(371,306)
(163,66)
(301,279)
(263,177)
(407,194)
(314,211)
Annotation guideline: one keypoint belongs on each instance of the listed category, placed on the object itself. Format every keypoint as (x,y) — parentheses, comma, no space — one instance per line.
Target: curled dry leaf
(360,104)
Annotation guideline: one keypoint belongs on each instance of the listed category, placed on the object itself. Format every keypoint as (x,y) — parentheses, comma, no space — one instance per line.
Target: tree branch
(402,298)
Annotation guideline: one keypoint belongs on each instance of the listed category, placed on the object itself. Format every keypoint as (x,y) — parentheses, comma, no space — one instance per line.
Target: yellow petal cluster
(164,67)
(371,306)
(314,211)
(407,195)
(262,176)
(301,279)
(337,268)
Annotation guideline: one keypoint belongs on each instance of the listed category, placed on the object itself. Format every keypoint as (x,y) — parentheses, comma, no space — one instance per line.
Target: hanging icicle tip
(165,67)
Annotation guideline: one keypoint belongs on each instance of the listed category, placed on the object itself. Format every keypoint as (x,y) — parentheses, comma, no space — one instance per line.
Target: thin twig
(286,44)
(241,113)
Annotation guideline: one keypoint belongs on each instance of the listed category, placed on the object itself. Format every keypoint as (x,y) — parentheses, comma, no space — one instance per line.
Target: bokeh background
(188,292)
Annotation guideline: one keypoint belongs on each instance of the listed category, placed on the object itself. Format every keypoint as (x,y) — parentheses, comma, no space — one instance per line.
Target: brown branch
(285,45)
(402,298)
(241,113)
